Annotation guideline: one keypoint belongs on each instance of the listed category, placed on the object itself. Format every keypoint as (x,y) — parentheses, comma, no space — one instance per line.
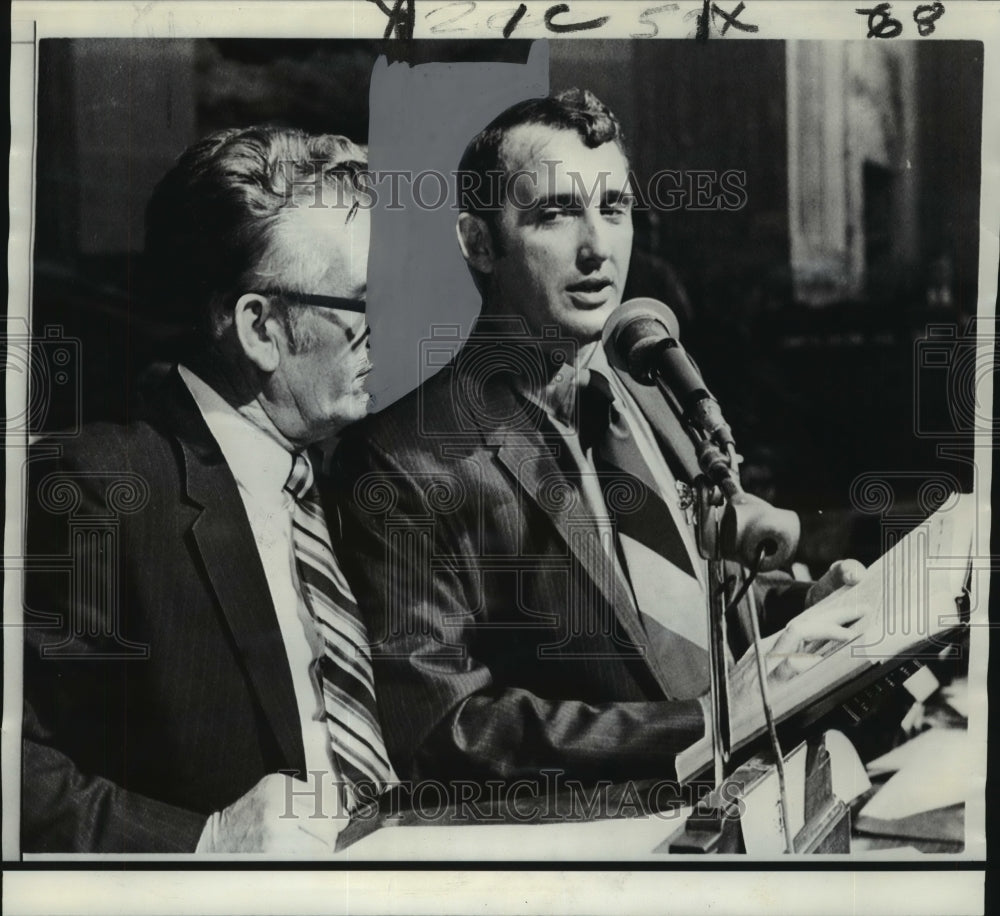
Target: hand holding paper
(860,619)
(841,574)
(822,627)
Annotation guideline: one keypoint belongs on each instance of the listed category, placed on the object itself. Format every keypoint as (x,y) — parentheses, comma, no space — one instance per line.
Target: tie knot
(300,478)
(597,387)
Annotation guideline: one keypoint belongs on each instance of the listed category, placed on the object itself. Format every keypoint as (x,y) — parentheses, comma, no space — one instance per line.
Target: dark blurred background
(829,313)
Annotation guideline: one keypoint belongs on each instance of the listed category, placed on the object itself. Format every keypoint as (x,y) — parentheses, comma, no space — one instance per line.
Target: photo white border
(866,891)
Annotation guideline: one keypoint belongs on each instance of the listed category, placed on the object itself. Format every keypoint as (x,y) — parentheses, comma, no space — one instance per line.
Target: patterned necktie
(647,536)
(345,666)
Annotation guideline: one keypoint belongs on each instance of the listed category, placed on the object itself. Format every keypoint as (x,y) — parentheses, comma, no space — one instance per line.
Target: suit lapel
(673,439)
(530,459)
(224,540)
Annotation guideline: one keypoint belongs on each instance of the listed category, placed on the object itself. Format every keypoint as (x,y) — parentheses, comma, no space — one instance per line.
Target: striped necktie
(345,666)
(647,537)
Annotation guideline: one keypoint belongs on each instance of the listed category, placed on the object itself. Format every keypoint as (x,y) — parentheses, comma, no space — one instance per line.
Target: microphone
(641,336)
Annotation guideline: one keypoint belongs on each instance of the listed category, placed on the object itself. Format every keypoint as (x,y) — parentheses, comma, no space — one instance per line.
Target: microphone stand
(641,341)
(707,505)
(734,525)
(711,491)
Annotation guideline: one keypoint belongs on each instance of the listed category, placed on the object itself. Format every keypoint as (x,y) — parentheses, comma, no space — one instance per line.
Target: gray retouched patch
(422,118)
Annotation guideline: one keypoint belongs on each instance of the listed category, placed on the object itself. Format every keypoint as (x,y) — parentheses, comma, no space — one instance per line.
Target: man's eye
(554,214)
(617,211)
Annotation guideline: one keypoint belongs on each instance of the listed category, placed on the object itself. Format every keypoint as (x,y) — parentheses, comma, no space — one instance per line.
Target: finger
(791,640)
(803,661)
(782,672)
(842,613)
(823,588)
(794,665)
(826,630)
(841,574)
(846,572)
(784,665)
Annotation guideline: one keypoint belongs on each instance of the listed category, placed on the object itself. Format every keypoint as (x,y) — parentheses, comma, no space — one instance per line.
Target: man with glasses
(216,645)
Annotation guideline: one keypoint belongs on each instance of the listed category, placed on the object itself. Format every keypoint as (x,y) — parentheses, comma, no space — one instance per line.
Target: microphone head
(632,329)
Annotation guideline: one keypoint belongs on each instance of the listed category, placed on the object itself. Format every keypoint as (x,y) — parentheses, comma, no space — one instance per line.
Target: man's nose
(595,238)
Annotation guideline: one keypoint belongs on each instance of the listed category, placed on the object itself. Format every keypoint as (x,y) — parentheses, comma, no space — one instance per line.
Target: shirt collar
(260,464)
(558,397)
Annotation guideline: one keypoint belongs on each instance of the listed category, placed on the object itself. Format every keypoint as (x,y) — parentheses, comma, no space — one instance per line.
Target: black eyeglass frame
(323,302)
(358,306)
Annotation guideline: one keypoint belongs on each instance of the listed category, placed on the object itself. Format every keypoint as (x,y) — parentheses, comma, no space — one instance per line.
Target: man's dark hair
(211,218)
(483,171)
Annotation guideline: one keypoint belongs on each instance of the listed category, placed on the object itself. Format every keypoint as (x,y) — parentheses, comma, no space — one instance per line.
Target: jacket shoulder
(433,410)
(107,446)
(149,438)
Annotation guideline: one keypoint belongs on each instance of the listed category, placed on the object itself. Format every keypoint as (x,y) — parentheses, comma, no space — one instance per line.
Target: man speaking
(521,621)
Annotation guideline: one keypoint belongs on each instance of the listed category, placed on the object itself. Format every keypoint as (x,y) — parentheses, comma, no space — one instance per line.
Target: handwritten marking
(884,26)
(441,27)
(644,19)
(704,18)
(402,18)
(514,20)
(560,28)
(712,17)
(733,19)
(926,15)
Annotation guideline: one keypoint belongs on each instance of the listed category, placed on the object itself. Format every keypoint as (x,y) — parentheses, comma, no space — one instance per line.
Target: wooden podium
(717,824)
(911,604)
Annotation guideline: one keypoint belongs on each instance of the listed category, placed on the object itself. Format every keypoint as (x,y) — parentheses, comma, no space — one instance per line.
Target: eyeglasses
(323,302)
(328,302)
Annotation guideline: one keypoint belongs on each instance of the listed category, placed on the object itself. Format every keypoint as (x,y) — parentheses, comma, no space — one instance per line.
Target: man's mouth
(591,292)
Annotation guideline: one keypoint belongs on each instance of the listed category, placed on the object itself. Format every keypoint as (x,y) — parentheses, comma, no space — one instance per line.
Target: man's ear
(476,242)
(257,329)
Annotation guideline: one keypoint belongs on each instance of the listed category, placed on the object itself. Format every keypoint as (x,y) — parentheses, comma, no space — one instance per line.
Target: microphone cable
(765,695)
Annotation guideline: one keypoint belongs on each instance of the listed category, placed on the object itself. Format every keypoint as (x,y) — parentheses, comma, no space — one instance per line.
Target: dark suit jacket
(502,645)
(156,684)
